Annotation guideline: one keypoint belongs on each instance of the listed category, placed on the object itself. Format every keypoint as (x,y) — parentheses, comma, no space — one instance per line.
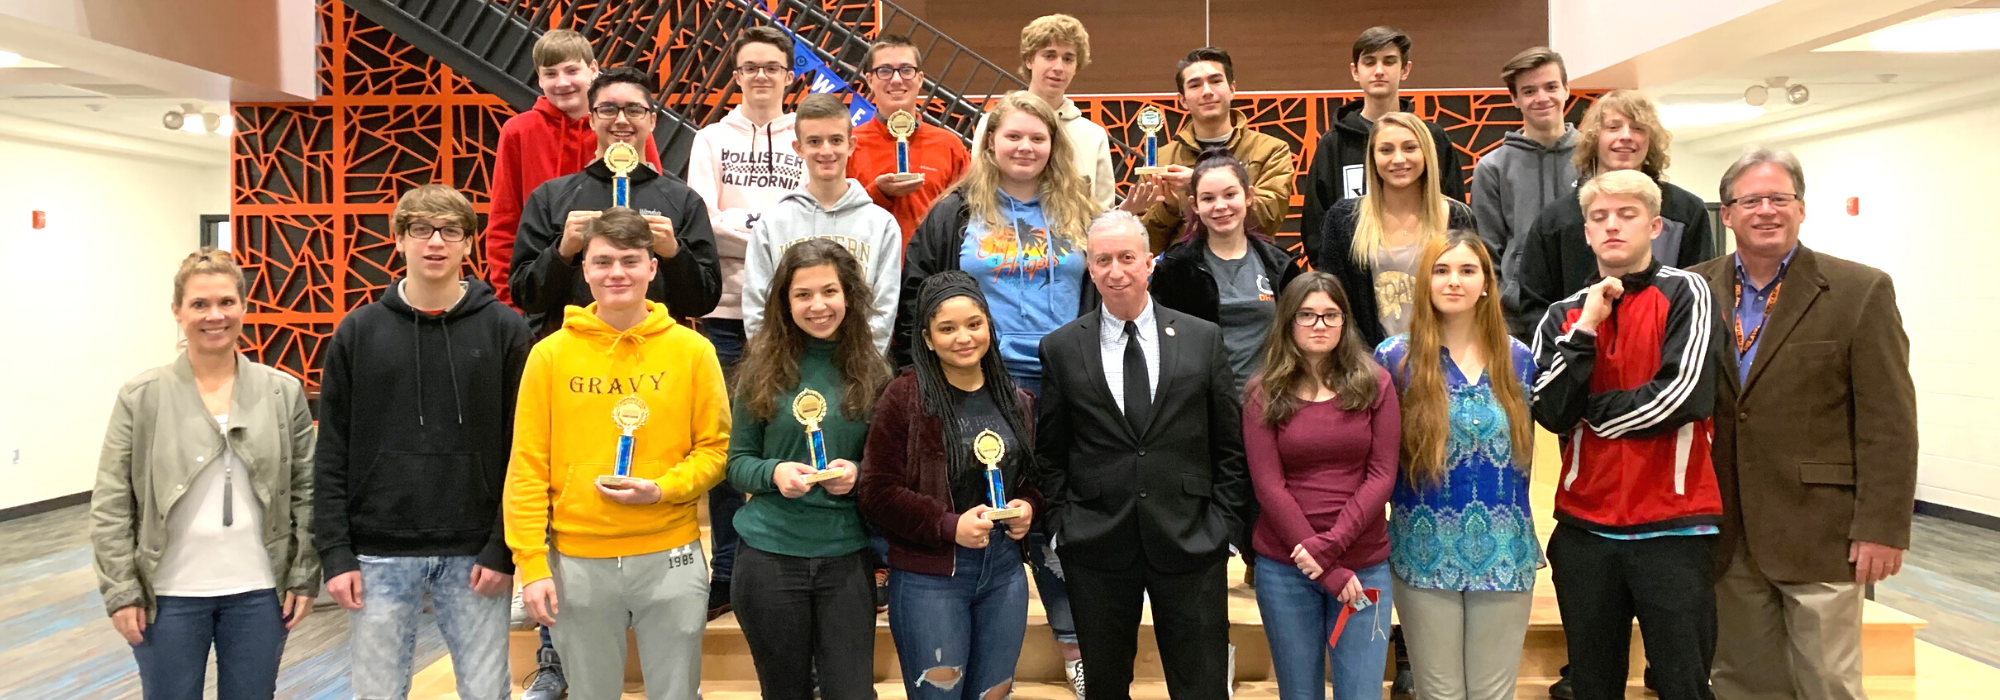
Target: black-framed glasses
(420,231)
(774,70)
(1308,319)
(1754,202)
(633,111)
(906,72)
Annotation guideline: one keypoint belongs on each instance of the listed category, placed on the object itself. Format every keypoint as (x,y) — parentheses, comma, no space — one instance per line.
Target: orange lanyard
(1744,344)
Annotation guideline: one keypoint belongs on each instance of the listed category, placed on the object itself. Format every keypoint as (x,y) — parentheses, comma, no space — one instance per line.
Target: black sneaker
(1561,689)
(718,599)
(546,682)
(1404,686)
(881,590)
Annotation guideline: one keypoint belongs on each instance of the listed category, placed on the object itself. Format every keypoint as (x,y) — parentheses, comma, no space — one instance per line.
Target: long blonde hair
(1066,202)
(1426,403)
(1433,218)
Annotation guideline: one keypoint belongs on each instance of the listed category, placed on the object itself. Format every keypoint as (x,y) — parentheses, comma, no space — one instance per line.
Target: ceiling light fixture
(1967,32)
(9,58)
(1677,116)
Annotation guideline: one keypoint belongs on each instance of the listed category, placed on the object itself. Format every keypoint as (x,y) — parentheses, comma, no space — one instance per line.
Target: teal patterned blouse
(1474,531)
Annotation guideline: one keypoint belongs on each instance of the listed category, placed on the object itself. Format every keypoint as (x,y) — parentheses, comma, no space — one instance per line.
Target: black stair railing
(491,43)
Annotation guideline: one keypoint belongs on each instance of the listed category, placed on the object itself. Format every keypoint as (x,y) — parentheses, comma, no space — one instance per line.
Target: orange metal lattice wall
(314,184)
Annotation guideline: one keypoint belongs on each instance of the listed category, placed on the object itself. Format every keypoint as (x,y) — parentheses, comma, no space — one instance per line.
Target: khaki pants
(1464,645)
(1795,641)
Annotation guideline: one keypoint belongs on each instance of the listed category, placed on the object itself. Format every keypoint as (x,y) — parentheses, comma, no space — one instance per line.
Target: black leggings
(798,613)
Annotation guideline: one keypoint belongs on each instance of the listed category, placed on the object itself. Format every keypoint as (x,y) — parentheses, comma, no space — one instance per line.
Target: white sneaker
(517,616)
(1074,670)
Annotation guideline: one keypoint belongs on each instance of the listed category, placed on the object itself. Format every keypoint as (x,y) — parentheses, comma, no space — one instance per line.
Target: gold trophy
(809,407)
(902,125)
(629,413)
(622,159)
(1151,121)
(990,449)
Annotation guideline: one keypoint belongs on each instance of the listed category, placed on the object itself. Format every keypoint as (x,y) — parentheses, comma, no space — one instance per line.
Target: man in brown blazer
(1815,445)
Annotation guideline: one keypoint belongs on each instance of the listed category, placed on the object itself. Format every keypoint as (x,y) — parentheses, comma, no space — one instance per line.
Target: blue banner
(806,64)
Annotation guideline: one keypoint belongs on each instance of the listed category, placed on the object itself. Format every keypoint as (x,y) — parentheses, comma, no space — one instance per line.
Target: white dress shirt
(1111,336)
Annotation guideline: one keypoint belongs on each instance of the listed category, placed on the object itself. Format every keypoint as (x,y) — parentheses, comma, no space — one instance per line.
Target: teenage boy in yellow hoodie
(625,554)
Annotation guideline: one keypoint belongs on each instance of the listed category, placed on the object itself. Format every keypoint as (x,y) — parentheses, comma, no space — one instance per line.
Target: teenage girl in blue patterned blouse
(1462,541)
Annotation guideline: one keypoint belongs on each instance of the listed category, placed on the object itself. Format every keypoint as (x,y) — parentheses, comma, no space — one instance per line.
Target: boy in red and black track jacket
(1627,379)
(1632,403)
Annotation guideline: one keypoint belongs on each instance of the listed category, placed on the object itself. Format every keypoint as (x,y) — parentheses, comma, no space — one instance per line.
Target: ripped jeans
(958,637)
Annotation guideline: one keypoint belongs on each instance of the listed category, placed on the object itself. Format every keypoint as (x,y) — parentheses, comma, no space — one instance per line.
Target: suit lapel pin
(1170,330)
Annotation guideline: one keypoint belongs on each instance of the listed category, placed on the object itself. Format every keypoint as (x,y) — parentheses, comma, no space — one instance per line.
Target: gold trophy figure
(1151,121)
(622,159)
(629,413)
(990,449)
(809,407)
(902,125)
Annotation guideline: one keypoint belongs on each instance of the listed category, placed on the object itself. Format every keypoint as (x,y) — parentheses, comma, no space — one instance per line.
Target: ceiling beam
(13,126)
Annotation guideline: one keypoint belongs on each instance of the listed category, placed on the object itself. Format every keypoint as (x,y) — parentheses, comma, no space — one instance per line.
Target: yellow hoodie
(564,438)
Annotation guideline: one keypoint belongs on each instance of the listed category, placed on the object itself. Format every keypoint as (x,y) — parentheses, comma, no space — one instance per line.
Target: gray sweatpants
(662,597)
(1464,645)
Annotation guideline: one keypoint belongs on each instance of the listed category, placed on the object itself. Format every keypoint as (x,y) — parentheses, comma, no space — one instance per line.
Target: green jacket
(159,437)
(817,524)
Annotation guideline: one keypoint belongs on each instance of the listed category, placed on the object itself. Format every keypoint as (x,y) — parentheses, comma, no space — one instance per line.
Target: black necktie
(1138,397)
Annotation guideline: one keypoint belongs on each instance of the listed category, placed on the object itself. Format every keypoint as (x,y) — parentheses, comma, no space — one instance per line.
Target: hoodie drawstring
(458,402)
(417,339)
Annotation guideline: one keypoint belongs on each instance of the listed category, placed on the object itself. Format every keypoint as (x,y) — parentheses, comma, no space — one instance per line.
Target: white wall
(1596,34)
(1926,186)
(84,302)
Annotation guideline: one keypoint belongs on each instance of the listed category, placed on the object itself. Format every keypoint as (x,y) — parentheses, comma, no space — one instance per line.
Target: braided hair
(936,391)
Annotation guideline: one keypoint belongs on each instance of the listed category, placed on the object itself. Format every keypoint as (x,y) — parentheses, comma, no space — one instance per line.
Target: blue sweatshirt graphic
(1033,282)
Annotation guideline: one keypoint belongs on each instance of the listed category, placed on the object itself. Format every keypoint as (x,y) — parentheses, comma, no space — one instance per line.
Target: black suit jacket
(1174,493)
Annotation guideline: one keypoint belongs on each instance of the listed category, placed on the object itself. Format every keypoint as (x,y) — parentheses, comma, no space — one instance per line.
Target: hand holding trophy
(628,414)
(809,407)
(990,449)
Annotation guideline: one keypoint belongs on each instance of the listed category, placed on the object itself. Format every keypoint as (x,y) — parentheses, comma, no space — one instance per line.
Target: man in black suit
(1141,446)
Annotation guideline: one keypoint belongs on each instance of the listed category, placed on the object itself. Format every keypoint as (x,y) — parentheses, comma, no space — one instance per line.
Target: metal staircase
(684,44)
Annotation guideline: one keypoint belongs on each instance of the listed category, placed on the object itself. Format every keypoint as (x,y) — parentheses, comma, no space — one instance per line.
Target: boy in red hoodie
(937,156)
(549,141)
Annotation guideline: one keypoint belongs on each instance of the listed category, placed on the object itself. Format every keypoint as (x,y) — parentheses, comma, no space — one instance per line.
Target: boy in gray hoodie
(831,206)
(1531,168)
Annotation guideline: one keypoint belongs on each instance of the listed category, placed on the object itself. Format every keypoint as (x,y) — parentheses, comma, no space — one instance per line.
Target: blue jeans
(726,334)
(959,636)
(1298,618)
(247,631)
(383,633)
(1049,584)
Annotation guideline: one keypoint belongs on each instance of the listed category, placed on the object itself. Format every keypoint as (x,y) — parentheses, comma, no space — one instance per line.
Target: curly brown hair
(771,367)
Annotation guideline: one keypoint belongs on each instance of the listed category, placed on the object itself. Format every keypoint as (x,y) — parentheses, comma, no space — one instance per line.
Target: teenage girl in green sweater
(804,591)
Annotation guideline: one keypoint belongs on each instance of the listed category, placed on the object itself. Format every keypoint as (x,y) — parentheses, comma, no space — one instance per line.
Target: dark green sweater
(817,524)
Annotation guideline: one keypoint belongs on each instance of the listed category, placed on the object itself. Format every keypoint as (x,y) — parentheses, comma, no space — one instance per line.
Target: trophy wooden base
(1004,513)
(1149,170)
(615,481)
(827,474)
(906,177)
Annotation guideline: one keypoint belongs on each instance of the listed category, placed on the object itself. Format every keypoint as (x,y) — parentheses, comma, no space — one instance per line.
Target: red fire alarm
(41,219)
(1853,206)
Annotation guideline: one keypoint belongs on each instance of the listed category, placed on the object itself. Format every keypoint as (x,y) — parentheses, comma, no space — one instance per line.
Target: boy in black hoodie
(415,431)
(1381,64)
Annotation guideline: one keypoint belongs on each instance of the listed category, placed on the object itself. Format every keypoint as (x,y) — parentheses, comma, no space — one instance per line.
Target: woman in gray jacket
(201,518)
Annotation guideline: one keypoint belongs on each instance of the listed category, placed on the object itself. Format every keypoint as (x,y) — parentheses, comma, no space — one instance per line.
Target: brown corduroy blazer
(1819,447)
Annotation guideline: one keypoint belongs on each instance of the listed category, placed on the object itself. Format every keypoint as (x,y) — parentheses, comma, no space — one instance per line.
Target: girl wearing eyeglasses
(1462,538)
(1320,429)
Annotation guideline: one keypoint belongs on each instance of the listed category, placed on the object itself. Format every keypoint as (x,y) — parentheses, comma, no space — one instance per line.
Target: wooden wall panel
(1292,46)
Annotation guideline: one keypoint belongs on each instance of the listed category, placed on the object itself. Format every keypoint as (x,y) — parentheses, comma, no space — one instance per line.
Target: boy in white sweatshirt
(1053,49)
(831,206)
(741,166)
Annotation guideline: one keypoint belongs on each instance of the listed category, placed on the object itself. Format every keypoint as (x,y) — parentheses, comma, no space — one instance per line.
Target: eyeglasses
(1755,202)
(632,111)
(905,72)
(771,69)
(422,231)
(1308,319)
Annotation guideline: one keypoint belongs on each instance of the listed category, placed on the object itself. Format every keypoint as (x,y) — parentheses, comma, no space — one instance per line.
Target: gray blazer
(160,436)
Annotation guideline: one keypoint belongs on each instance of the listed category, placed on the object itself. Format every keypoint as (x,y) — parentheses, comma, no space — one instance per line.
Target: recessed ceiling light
(8,58)
(1967,32)
(1677,116)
